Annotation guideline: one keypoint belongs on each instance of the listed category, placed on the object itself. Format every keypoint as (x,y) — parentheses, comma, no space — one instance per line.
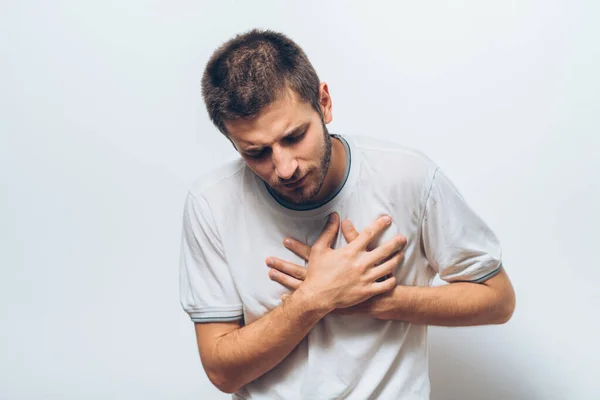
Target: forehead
(272,122)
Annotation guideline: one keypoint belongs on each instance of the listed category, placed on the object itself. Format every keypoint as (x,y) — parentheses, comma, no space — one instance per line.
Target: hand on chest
(263,239)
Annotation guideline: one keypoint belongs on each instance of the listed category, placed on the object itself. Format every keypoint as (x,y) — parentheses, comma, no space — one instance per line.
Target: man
(307,264)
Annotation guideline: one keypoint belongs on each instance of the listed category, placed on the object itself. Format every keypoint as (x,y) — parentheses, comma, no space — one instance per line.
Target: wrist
(313,301)
(387,306)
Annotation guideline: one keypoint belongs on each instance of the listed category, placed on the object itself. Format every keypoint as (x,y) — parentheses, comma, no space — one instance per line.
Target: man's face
(287,145)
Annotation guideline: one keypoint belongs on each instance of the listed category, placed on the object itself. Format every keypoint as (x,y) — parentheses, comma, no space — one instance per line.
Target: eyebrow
(297,130)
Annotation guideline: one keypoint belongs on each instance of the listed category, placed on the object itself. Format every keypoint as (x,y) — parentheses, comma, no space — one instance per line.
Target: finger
(285,279)
(329,232)
(384,286)
(366,236)
(386,268)
(289,268)
(300,249)
(378,254)
(349,231)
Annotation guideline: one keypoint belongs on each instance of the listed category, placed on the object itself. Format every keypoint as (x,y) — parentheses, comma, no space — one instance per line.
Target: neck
(336,171)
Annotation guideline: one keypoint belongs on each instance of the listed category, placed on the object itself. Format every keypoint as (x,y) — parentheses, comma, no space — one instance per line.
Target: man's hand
(354,273)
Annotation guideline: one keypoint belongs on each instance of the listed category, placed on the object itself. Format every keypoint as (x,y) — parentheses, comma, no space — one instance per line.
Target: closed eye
(257,155)
(295,138)
(292,139)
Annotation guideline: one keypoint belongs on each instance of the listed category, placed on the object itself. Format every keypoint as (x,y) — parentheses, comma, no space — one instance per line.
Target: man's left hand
(292,275)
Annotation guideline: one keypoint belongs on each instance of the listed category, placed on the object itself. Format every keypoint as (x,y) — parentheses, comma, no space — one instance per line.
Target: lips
(295,184)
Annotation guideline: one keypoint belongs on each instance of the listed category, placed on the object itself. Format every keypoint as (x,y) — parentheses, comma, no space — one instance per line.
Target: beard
(305,194)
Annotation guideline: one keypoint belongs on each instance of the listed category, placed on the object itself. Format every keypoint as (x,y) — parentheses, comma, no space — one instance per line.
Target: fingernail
(270,262)
(387,219)
(332,217)
(287,242)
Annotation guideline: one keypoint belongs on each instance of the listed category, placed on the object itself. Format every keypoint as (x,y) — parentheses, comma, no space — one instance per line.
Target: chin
(307,195)
(302,195)
(297,196)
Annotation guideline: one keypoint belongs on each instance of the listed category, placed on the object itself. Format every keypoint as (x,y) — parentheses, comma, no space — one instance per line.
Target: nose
(284,162)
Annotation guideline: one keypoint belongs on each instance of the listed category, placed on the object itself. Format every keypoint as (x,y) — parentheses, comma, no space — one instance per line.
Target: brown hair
(251,71)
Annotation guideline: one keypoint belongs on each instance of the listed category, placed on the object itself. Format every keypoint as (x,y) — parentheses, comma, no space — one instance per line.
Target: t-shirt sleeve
(207,289)
(457,242)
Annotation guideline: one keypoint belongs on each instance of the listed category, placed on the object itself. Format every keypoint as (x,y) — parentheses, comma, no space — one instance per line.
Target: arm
(234,356)
(455,304)
(460,247)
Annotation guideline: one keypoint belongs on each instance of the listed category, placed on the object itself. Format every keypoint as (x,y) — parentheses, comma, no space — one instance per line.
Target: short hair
(253,70)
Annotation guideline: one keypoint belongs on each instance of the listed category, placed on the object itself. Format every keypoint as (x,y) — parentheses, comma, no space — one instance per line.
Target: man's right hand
(347,276)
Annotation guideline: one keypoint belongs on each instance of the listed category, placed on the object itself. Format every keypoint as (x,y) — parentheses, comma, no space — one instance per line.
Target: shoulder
(387,152)
(219,191)
(393,163)
(220,182)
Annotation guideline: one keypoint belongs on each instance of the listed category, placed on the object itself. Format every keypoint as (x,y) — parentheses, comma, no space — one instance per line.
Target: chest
(259,234)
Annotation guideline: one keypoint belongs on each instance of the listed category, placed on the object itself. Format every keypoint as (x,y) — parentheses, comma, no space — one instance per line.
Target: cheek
(310,153)
(261,168)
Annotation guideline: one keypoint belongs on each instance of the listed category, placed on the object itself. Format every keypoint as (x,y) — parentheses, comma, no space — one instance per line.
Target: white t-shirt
(232,224)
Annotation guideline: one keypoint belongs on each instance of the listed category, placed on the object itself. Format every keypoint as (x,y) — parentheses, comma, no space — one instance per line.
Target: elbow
(503,317)
(506,310)
(222,382)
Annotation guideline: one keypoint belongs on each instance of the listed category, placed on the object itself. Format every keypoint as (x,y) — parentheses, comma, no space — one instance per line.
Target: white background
(102,129)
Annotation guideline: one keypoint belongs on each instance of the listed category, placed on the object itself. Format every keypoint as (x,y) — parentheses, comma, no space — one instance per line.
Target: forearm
(247,353)
(456,304)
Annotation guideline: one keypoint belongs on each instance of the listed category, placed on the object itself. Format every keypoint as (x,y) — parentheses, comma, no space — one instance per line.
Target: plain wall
(102,129)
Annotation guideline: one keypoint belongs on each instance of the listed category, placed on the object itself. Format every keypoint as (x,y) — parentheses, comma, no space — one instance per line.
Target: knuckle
(391,248)
(400,241)
(391,268)
(356,265)
(391,282)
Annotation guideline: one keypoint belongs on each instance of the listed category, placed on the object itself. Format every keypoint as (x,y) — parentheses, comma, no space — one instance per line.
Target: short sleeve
(457,242)
(207,290)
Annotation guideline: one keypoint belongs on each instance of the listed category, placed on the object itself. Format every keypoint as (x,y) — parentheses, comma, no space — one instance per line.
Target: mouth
(296,184)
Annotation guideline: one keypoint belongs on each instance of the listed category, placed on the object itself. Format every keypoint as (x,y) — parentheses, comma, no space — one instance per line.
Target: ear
(325,102)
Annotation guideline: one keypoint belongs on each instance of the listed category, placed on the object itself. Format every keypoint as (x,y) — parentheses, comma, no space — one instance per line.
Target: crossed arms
(346,280)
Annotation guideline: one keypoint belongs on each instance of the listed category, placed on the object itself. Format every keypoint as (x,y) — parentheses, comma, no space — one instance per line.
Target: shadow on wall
(464,367)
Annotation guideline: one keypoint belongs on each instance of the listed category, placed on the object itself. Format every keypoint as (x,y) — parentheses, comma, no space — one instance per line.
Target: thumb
(329,232)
